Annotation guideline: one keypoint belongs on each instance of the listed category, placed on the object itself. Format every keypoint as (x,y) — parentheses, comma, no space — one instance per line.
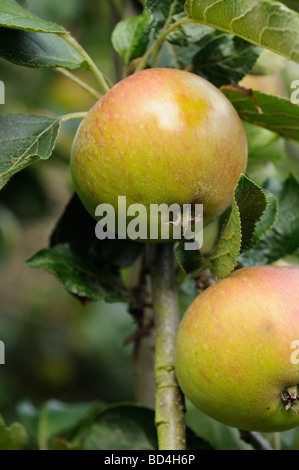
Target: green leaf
(195,442)
(38,49)
(80,276)
(249,203)
(252,203)
(13,437)
(180,47)
(163,11)
(224,259)
(263,145)
(224,59)
(77,228)
(221,59)
(54,418)
(23,140)
(189,33)
(174,57)
(162,15)
(289,439)
(266,23)
(89,426)
(130,37)
(276,114)
(130,427)
(122,427)
(182,44)
(189,260)
(283,238)
(27,195)
(62,444)
(13,15)
(89,268)
(187,293)
(267,220)
(221,437)
(63,12)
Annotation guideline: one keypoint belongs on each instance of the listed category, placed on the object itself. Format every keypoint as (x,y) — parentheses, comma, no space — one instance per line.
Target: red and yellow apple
(235,358)
(160,136)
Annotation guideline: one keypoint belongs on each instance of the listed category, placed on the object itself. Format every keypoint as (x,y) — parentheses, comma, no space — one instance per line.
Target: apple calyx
(185,220)
(291,396)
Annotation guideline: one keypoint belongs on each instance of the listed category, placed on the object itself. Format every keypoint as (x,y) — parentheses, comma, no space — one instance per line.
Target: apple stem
(99,76)
(158,43)
(85,86)
(170,407)
(277,442)
(256,440)
(68,117)
(164,29)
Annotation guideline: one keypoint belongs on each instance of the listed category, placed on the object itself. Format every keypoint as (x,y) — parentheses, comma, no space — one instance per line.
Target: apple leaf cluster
(13,437)
(87,426)
(89,268)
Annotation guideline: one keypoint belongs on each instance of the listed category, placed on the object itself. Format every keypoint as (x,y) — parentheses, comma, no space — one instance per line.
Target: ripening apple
(237,349)
(160,136)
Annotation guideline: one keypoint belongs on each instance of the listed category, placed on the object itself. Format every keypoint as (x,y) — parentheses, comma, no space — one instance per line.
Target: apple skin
(160,136)
(233,349)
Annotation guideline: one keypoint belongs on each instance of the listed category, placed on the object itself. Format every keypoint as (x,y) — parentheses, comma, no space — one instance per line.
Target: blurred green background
(55,347)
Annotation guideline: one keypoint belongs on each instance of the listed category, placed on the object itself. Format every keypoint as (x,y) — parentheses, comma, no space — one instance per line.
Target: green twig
(256,440)
(92,91)
(68,117)
(158,43)
(165,28)
(169,399)
(196,273)
(42,429)
(277,442)
(96,72)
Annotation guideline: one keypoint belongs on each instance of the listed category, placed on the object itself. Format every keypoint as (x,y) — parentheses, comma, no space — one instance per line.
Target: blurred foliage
(54,346)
